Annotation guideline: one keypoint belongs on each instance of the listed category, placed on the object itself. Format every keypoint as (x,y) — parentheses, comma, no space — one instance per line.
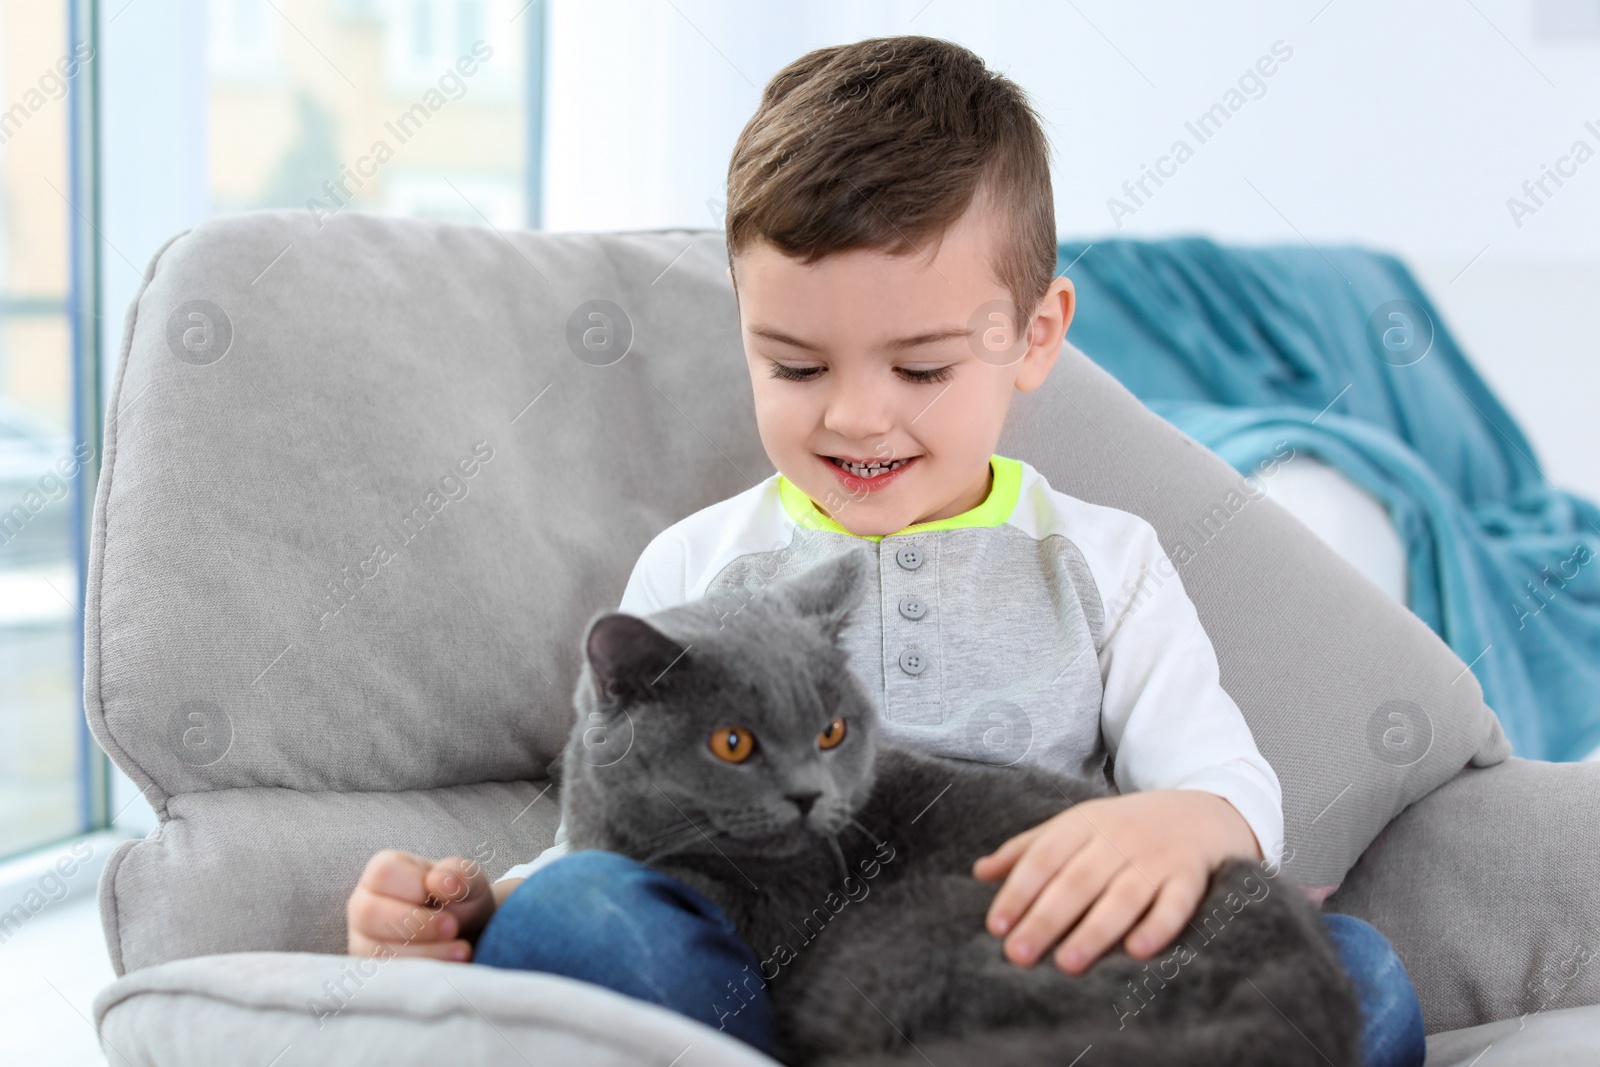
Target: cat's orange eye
(831,734)
(733,743)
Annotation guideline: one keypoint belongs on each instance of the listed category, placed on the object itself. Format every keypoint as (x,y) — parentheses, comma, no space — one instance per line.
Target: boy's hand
(1095,868)
(405,905)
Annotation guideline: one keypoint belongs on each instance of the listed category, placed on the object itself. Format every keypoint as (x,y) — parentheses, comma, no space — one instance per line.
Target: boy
(892,247)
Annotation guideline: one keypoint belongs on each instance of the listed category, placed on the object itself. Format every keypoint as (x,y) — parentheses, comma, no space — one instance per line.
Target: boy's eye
(831,734)
(732,743)
(795,374)
(806,374)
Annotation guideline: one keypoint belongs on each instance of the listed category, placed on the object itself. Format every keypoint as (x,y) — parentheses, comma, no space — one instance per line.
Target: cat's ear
(627,655)
(828,590)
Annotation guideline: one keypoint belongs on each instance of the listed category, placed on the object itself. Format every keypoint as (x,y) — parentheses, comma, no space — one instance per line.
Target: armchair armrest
(1489,889)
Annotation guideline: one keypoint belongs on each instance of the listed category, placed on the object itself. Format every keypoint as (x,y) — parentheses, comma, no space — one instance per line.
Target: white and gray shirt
(1036,629)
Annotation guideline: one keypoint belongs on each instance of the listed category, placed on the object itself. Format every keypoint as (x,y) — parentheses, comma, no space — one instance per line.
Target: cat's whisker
(663,853)
(856,823)
(838,854)
(682,837)
(686,830)
(670,832)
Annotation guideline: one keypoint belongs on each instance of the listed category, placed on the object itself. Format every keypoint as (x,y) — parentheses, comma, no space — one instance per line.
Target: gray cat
(738,756)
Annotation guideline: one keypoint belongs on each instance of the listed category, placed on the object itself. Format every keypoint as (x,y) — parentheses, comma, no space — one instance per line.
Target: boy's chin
(870,519)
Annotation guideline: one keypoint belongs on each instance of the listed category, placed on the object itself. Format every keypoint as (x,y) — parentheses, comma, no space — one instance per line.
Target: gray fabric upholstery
(1487,888)
(250,838)
(348,375)
(1567,1038)
(305,1010)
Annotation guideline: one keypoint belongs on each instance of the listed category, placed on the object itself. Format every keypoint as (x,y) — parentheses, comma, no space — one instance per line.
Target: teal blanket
(1340,353)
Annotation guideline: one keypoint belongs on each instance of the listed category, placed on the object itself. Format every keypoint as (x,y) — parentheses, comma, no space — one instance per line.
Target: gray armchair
(311,633)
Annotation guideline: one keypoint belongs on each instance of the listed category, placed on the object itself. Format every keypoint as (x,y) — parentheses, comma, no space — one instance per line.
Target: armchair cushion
(1489,890)
(294,1008)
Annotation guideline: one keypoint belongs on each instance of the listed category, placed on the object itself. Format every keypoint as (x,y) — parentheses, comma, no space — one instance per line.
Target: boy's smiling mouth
(869,475)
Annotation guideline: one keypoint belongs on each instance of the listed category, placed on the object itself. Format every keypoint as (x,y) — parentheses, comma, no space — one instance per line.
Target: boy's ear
(1055,315)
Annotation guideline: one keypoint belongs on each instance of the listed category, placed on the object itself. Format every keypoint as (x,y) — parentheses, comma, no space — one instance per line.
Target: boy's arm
(1167,721)
(1196,790)
(659,576)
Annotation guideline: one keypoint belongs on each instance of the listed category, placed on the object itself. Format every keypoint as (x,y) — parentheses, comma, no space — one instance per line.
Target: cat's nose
(803,801)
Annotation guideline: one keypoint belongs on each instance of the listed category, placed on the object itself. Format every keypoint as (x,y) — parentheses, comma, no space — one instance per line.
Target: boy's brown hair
(883,144)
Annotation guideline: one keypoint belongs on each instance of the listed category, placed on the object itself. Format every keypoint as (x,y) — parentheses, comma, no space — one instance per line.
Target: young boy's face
(906,360)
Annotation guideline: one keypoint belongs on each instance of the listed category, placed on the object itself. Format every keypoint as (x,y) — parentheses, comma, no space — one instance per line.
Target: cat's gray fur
(864,912)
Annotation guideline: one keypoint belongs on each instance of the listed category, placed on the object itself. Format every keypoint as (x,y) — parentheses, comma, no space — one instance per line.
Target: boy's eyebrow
(899,343)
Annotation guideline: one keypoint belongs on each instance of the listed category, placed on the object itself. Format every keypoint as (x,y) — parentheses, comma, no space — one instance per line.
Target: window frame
(84,305)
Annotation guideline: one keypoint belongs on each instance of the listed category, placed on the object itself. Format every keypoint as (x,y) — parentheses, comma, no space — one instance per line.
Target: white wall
(1529,327)
(1400,126)
(1405,126)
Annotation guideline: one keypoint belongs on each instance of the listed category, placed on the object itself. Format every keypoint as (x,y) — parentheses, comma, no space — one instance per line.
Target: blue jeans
(604,918)
(1391,1016)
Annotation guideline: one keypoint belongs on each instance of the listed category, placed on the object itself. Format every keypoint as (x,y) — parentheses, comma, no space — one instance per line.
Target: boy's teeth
(869,470)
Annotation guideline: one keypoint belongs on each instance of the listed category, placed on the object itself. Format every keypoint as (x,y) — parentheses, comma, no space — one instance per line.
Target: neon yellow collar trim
(994,511)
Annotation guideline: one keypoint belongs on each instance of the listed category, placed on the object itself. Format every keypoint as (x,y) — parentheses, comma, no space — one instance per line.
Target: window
(44,746)
(288,111)
(403,107)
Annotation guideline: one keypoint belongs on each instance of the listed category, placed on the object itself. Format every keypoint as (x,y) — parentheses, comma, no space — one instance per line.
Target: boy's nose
(857,418)
(856,413)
